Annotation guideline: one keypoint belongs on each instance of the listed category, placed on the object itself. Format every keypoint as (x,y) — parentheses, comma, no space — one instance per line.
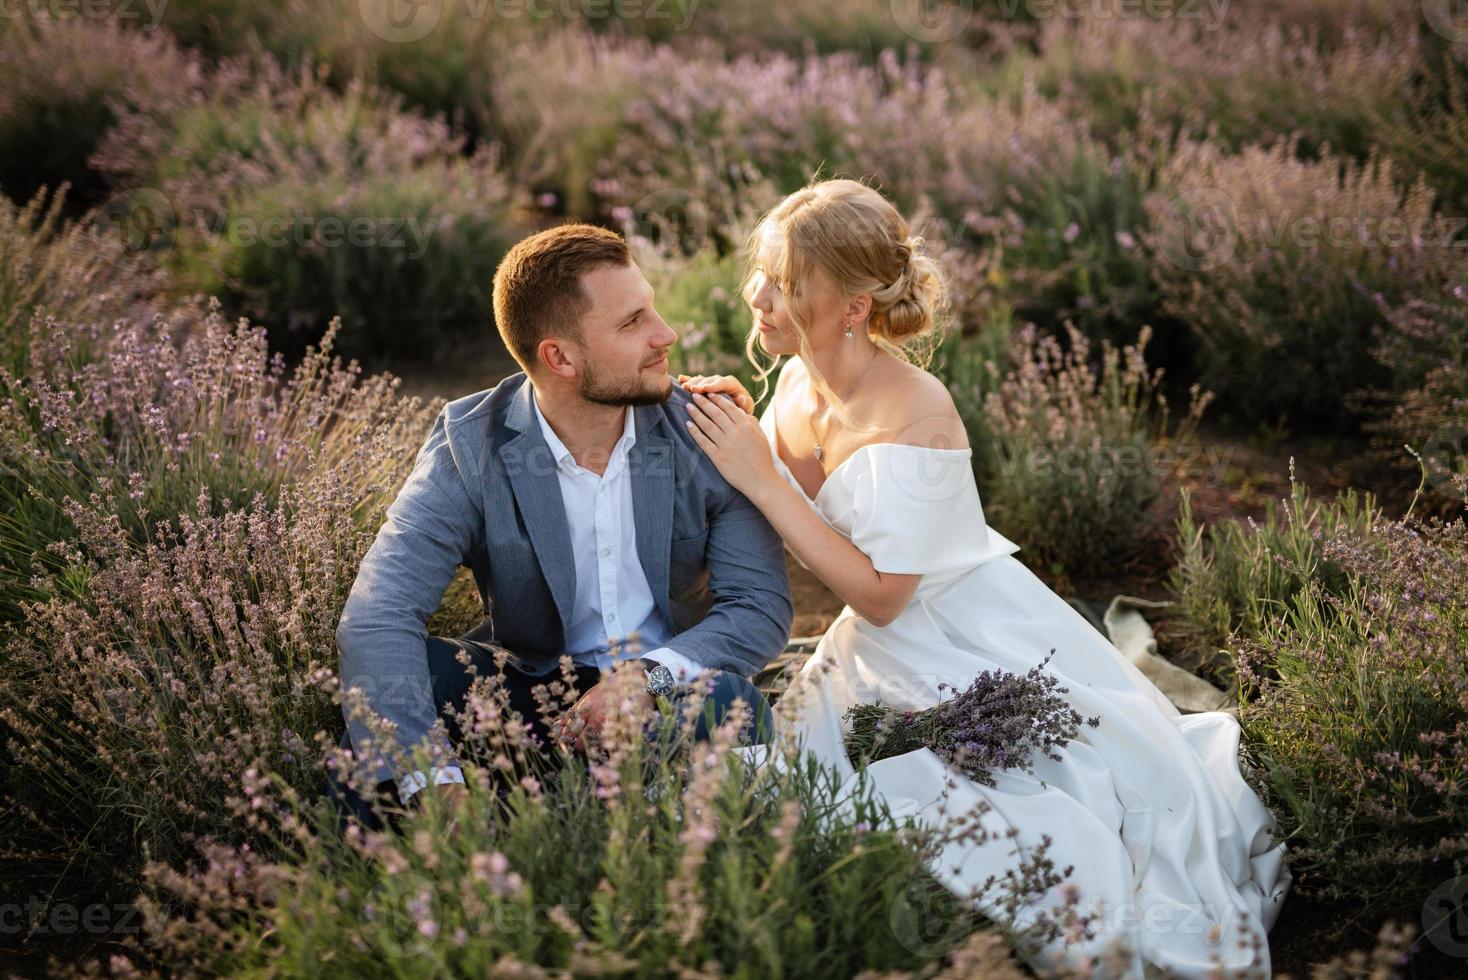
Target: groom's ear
(553,355)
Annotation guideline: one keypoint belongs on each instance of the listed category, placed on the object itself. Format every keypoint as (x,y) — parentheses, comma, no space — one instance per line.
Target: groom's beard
(633,392)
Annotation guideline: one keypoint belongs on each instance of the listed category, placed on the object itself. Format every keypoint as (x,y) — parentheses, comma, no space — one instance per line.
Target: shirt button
(602,488)
(605,552)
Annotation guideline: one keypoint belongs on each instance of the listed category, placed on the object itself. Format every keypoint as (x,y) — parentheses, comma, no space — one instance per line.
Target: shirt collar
(558,448)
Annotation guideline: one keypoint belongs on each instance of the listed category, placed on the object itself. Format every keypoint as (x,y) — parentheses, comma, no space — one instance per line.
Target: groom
(593,524)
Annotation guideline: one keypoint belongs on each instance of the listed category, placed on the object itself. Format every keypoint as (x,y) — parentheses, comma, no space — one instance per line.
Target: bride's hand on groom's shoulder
(719,384)
(733,441)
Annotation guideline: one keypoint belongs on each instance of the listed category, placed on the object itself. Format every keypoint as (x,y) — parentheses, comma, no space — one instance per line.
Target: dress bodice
(913,510)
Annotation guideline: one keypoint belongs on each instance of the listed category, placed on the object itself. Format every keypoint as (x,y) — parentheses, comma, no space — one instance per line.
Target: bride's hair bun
(908,307)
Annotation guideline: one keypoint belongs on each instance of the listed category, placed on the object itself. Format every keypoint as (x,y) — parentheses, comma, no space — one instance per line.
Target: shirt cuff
(414,781)
(684,670)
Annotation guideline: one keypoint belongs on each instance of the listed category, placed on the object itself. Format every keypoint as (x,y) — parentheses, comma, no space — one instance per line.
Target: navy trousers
(450,681)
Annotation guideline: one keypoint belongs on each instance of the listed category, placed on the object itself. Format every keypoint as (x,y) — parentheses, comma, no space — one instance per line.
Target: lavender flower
(998,722)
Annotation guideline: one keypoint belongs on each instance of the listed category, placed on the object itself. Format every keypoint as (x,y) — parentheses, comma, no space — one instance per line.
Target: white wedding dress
(1171,850)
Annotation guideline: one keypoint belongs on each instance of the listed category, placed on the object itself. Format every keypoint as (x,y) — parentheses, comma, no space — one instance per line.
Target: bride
(863,466)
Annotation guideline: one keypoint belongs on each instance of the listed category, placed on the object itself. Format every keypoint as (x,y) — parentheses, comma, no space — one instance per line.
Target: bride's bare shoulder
(919,409)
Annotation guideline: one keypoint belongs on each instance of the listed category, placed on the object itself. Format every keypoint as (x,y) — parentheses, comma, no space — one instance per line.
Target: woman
(862,464)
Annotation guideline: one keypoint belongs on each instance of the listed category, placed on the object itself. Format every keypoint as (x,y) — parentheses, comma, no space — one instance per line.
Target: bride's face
(778,333)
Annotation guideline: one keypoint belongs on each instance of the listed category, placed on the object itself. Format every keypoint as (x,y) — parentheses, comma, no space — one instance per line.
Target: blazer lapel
(651,462)
(532,471)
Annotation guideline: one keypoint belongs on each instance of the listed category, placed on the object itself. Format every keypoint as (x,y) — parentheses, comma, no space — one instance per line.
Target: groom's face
(623,350)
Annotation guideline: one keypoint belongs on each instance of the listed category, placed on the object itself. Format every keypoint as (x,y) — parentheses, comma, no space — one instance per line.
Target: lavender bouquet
(997,723)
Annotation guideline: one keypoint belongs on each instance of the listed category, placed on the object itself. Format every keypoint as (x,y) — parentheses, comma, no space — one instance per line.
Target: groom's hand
(582,722)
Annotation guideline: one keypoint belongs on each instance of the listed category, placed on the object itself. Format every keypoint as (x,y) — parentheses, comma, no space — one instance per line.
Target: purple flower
(997,722)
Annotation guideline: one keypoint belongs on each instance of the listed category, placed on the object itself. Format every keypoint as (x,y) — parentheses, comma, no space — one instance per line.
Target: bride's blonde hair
(855,236)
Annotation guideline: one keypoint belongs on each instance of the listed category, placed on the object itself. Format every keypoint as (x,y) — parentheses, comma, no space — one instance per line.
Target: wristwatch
(660,682)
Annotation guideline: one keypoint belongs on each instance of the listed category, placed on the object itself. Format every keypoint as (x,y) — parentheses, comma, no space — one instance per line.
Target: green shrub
(1283,269)
(296,204)
(181,527)
(1066,459)
(794,26)
(1231,579)
(1355,709)
(658,855)
(66,81)
(700,298)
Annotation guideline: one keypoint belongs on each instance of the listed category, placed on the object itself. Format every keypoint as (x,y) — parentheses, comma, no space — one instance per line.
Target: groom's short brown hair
(537,287)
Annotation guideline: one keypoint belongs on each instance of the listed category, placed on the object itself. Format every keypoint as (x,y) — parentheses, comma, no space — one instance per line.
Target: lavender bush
(1026,182)
(67,269)
(1232,579)
(1064,464)
(1282,268)
(998,722)
(65,81)
(1356,712)
(603,122)
(1423,412)
(1244,78)
(186,524)
(1429,135)
(296,204)
(650,855)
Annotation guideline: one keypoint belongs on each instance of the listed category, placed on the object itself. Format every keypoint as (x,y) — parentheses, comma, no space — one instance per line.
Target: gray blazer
(484,493)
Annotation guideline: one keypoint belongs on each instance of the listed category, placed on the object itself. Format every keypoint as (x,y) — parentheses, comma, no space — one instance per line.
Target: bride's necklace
(875,351)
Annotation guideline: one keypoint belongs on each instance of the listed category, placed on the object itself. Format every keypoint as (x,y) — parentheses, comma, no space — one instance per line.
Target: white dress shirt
(615,617)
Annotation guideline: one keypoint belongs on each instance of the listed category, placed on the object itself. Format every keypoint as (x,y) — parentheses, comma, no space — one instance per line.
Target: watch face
(660,680)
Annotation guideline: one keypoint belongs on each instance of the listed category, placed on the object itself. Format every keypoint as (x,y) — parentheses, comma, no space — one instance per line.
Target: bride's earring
(848,329)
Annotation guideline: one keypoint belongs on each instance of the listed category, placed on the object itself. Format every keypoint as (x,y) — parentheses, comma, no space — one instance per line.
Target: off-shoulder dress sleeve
(915,510)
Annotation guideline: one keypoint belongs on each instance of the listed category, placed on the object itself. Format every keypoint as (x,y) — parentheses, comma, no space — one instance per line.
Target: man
(587,514)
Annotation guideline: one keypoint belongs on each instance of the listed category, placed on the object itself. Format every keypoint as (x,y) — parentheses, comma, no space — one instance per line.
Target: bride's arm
(736,444)
(879,597)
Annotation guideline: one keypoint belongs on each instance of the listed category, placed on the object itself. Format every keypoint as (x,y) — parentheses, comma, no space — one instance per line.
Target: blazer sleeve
(749,622)
(430,529)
